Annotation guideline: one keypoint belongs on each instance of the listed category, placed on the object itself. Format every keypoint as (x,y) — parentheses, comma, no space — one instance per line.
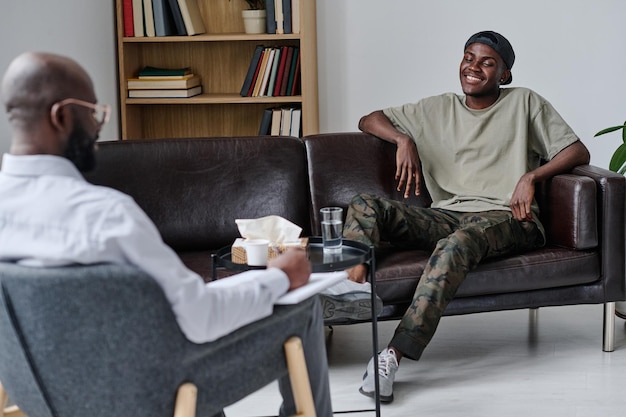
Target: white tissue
(276,229)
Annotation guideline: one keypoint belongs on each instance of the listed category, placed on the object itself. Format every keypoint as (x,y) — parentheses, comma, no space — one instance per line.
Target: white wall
(378,53)
(81,29)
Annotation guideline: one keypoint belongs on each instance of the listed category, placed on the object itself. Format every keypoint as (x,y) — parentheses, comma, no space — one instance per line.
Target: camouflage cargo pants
(459,241)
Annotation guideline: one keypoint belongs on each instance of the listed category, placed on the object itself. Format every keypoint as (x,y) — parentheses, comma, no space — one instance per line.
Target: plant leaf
(608,130)
(618,159)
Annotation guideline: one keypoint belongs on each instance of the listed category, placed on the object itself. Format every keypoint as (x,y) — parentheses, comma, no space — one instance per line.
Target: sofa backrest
(342,165)
(194,189)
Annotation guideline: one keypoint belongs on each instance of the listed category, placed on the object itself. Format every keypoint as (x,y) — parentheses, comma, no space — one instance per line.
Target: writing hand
(295,264)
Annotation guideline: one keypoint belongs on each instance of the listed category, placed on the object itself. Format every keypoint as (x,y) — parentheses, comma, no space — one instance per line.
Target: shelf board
(216,99)
(221,37)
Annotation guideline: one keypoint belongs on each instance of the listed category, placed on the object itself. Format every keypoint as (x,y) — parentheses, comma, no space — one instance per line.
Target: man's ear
(61,119)
(506,75)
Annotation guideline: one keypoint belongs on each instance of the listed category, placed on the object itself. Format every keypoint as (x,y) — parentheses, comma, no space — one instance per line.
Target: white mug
(256,251)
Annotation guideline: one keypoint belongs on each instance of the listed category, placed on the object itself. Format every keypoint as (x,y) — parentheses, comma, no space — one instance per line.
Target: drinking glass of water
(332,229)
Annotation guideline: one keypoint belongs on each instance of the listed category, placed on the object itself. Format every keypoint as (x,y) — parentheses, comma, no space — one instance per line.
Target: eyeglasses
(100,112)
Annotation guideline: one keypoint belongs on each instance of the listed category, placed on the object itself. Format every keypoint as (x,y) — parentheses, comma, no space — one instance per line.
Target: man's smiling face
(482,71)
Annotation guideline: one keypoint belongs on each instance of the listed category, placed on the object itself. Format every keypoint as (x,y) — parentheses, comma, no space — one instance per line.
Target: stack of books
(164,83)
(283,16)
(162,18)
(273,71)
(281,121)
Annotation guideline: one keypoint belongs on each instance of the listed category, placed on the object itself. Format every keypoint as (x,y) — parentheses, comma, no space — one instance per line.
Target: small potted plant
(254,18)
(618,160)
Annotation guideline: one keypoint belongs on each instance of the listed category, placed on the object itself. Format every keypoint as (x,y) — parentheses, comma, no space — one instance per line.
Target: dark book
(163,20)
(256,55)
(163,72)
(283,85)
(266,122)
(295,88)
(292,70)
(270,16)
(178,18)
(287,16)
(129,26)
(281,70)
(256,74)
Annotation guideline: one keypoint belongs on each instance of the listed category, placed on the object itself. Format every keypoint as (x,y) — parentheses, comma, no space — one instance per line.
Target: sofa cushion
(398,272)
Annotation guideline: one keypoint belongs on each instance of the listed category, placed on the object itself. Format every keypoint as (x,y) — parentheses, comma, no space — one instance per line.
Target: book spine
(266,122)
(281,70)
(163,20)
(278,12)
(148,17)
(292,70)
(138,18)
(270,16)
(259,81)
(295,16)
(178,18)
(295,88)
(266,74)
(256,74)
(283,86)
(191,17)
(287,16)
(129,29)
(275,64)
(256,55)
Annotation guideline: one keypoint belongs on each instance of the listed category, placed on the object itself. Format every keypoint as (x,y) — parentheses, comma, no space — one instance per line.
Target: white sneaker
(387,367)
(349,301)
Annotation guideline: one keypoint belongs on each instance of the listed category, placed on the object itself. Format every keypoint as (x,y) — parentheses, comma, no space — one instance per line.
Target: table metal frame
(352,254)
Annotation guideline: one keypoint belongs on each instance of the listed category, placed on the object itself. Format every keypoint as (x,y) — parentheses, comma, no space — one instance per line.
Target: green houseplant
(618,160)
(256,4)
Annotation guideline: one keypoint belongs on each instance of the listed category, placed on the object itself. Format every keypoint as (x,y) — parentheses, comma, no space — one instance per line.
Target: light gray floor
(502,364)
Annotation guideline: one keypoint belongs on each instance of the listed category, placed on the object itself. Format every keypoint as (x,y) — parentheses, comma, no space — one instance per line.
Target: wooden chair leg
(299,377)
(186,400)
(5,411)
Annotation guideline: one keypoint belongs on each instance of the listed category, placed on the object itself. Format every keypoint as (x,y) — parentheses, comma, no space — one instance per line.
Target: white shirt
(51,216)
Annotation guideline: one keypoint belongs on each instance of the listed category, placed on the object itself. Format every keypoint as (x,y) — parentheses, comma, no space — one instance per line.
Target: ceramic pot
(254,21)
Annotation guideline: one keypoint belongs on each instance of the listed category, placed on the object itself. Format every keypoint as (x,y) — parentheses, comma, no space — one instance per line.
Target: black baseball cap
(499,43)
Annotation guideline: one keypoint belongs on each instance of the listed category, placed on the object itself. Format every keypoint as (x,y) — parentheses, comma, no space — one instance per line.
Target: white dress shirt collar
(38,165)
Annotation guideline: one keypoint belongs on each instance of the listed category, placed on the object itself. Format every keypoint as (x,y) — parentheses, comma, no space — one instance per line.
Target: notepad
(317,283)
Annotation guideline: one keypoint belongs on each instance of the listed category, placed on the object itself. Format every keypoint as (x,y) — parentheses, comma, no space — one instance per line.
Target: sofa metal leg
(608,334)
(186,400)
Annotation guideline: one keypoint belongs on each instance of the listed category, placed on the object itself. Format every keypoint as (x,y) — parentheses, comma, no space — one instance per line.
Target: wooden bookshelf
(221,57)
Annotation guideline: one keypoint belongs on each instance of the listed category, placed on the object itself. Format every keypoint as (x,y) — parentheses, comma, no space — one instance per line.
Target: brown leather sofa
(194,189)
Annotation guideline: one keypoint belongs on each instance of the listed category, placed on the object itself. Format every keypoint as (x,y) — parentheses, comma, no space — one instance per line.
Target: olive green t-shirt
(473,159)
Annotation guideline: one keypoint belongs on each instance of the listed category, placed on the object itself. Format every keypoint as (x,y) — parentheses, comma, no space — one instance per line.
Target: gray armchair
(102,341)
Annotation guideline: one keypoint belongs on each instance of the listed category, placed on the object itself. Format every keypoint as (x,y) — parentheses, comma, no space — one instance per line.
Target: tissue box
(238,252)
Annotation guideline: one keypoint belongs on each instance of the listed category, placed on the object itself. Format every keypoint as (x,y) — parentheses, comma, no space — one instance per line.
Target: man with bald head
(50,216)
(480,155)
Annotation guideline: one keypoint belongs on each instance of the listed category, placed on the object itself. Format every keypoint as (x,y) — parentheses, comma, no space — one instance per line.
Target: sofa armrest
(611,203)
(570,212)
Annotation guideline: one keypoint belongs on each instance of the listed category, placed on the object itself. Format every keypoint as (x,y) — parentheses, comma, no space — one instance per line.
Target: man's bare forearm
(377,124)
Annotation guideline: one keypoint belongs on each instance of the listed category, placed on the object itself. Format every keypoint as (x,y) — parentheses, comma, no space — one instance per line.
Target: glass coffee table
(352,254)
